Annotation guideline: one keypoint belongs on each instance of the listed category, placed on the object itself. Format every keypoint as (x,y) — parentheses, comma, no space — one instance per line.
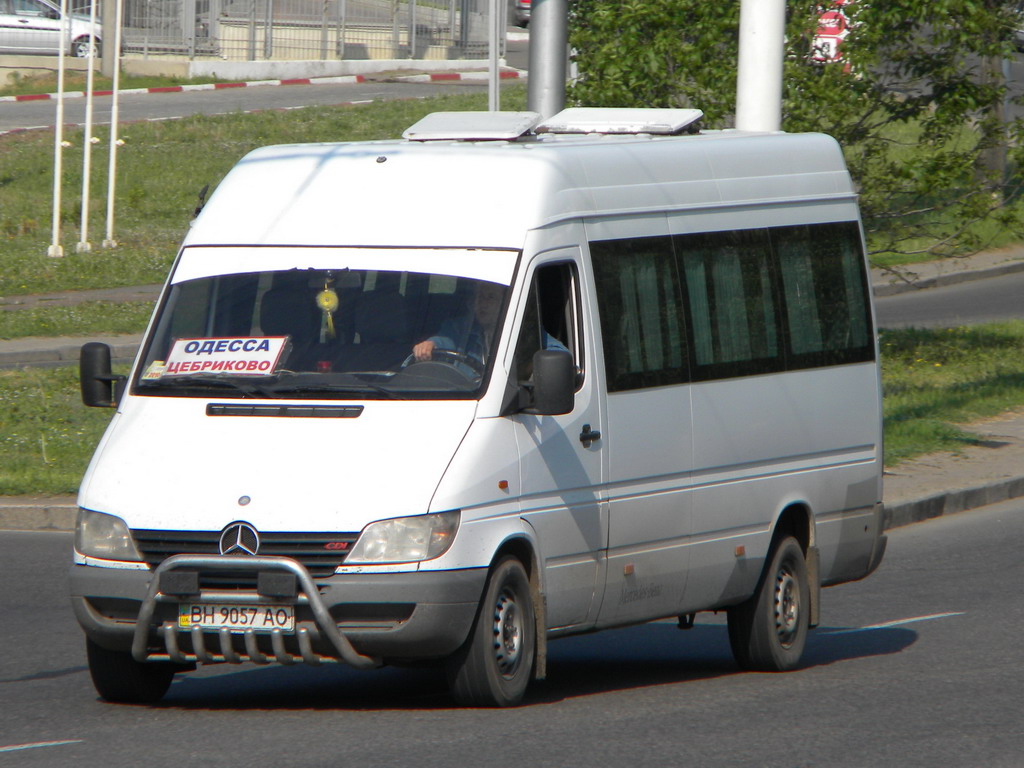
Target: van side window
(641,312)
(732,306)
(552,319)
(724,304)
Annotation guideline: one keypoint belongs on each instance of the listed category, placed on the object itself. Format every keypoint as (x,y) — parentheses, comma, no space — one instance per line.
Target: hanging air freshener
(327,301)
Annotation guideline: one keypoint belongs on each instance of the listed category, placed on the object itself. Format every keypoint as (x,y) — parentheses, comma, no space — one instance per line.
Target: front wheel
(767,633)
(80,48)
(119,678)
(494,666)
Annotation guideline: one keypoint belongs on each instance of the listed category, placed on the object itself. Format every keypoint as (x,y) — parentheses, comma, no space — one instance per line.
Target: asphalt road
(970,303)
(919,665)
(163,106)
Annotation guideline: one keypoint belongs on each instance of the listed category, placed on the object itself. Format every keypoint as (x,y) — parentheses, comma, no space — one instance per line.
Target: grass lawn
(88,319)
(46,435)
(935,379)
(161,169)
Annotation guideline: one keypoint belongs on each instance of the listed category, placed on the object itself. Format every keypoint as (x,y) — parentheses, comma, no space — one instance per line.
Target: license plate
(237,618)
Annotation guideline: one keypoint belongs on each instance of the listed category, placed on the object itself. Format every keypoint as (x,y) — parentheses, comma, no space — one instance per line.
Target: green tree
(917,100)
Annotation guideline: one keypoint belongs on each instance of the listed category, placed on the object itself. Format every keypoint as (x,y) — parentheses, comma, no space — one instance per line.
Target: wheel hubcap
(508,634)
(787,607)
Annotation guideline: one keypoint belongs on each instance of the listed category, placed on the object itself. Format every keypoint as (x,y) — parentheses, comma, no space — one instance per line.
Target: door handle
(588,435)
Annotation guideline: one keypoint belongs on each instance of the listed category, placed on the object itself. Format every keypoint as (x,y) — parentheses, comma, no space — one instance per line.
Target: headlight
(405,539)
(104,536)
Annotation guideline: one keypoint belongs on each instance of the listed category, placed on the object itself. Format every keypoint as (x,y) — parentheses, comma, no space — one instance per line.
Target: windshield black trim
(278,411)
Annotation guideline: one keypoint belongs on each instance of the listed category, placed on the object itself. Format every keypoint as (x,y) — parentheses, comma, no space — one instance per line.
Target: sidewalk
(933,274)
(926,487)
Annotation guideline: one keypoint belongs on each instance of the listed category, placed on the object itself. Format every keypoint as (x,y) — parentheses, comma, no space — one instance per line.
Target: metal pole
(115,142)
(493,84)
(759,76)
(268,31)
(549,50)
(109,59)
(451,24)
(188,11)
(56,250)
(252,31)
(464,13)
(395,42)
(342,29)
(323,29)
(412,29)
(84,246)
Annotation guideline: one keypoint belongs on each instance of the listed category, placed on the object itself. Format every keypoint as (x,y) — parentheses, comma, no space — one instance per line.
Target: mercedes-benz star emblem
(239,539)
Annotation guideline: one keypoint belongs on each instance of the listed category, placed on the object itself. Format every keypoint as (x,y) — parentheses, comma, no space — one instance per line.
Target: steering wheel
(451,357)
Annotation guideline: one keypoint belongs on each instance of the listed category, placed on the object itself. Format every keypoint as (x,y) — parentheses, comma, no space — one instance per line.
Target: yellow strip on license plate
(237,618)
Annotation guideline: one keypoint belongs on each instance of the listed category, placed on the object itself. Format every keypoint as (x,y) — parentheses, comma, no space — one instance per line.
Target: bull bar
(308,595)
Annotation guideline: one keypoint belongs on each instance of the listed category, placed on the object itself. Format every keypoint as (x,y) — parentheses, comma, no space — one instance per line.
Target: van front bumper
(360,619)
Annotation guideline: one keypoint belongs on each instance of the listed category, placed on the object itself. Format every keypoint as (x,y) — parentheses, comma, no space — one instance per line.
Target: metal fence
(252,30)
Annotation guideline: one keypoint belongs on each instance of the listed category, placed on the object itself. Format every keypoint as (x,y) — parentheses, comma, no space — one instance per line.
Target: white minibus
(451,397)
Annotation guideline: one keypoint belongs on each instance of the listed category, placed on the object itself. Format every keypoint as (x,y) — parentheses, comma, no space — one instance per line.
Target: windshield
(326,334)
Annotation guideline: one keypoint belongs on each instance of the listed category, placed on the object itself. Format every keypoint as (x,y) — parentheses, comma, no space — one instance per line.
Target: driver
(469,335)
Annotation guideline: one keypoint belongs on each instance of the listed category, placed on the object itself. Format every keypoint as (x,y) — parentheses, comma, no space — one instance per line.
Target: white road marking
(897,623)
(39,744)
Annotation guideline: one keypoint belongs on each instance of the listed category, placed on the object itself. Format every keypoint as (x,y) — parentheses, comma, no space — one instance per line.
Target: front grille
(320,553)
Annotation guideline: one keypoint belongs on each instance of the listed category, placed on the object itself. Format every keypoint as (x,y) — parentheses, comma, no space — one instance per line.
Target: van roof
(489,194)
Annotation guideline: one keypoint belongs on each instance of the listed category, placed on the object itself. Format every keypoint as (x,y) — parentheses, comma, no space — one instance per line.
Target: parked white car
(34,26)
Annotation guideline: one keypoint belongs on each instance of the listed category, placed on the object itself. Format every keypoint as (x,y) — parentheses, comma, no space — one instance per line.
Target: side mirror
(554,382)
(100,387)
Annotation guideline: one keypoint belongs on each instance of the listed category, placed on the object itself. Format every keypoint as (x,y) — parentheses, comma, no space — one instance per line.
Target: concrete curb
(434,77)
(952,502)
(949,278)
(45,353)
(448,77)
(343,79)
(38,514)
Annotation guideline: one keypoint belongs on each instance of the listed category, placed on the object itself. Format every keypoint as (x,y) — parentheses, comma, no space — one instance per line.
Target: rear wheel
(119,678)
(494,666)
(768,632)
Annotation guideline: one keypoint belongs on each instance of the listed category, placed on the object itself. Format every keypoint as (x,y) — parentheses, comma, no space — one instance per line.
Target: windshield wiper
(250,389)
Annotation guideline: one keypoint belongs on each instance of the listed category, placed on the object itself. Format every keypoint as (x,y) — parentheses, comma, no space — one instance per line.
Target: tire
(495,665)
(80,48)
(768,632)
(119,678)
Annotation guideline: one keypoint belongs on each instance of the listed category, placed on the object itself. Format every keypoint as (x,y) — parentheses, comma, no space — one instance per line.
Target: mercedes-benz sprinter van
(447,398)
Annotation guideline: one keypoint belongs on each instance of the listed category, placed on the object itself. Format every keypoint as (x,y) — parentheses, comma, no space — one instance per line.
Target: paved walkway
(926,487)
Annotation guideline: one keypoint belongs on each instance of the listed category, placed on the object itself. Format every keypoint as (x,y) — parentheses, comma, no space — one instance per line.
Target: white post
(493,83)
(87,139)
(56,250)
(759,77)
(115,142)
